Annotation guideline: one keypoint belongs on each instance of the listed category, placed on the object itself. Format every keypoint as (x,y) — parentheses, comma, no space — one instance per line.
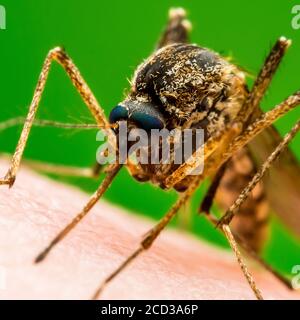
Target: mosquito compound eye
(145,115)
(147,121)
(118,113)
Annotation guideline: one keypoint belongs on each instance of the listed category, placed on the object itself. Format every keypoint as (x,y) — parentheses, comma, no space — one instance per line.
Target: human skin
(178,266)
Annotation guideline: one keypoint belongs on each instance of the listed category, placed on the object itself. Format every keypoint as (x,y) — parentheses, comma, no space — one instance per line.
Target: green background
(107,39)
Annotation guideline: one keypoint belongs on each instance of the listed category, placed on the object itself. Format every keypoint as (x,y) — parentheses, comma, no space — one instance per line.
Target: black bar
(139,309)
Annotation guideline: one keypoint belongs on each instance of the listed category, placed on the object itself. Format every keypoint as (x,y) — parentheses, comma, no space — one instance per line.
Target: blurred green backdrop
(107,39)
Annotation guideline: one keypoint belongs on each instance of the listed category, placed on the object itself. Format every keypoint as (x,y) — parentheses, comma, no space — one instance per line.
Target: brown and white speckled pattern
(190,84)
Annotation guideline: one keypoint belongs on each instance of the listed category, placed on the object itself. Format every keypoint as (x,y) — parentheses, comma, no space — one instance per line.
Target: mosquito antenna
(11,123)
(47,123)
(113,170)
(50,123)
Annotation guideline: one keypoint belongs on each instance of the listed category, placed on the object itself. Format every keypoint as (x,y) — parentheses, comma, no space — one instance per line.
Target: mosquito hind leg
(253,254)
(59,55)
(248,245)
(250,251)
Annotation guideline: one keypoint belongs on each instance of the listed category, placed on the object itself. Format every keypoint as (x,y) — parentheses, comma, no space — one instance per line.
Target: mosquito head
(141,114)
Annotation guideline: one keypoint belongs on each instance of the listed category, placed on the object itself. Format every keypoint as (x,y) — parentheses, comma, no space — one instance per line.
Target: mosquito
(182,85)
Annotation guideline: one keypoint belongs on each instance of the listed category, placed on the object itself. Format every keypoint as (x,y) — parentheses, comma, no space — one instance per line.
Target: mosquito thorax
(188,86)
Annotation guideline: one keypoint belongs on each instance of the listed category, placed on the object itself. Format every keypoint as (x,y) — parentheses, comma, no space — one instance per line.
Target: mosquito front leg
(62,58)
(150,236)
(228,216)
(113,170)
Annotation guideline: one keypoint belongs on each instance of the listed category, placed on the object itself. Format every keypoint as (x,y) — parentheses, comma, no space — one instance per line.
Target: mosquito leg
(263,79)
(114,169)
(47,123)
(243,243)
(64,170)
(61,170)
(207,201)
(247,274)
(150,236)
(226,219)
(228,216)
(252,253)
(240,140)
(206,208)
(62,58)
(250,107)
(231,239)
(202,154)
(264,121)
(177,28)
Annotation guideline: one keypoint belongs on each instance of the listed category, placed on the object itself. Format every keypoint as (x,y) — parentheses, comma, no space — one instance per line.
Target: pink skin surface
(178,266)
